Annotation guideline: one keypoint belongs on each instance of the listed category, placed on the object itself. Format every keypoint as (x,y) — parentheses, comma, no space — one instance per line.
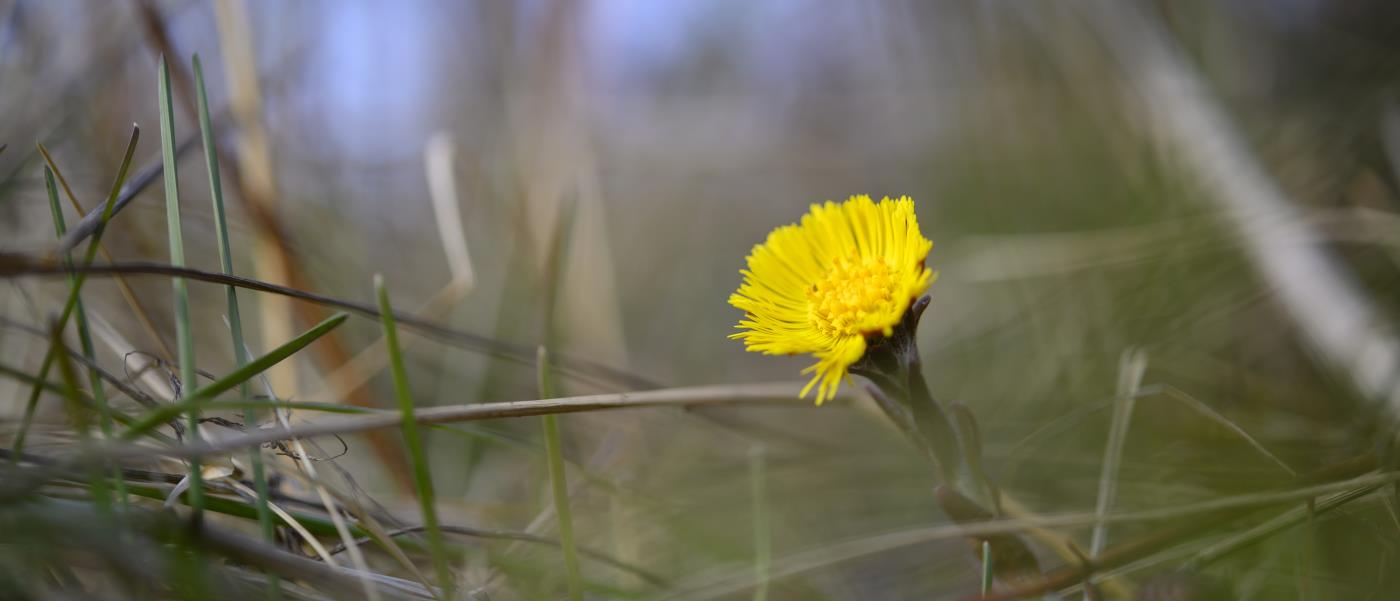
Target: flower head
(839,279)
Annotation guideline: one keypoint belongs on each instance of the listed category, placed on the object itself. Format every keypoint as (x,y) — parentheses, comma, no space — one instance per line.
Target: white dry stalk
(1131,367)
(311,540)
(1337,320)
(438,157)
(374,530)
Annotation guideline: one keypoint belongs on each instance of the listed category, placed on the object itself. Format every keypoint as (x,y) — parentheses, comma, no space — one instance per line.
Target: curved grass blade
(235,378)
(422,478)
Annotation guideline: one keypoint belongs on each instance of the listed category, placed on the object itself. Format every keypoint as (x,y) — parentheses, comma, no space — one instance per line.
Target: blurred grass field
(587,179)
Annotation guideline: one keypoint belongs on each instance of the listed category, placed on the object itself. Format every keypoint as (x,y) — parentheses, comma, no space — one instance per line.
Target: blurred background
(1205,192)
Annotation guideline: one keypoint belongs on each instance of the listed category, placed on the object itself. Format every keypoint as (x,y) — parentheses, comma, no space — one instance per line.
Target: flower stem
(897,382)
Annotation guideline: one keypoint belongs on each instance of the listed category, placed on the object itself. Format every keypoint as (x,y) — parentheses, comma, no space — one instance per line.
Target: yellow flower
(842,277)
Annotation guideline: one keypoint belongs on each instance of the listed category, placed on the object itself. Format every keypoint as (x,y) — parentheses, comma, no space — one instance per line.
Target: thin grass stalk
(235,320)
(1233,543)
(422,477)
(987,569)
(99,394)
(71,303)
(774,394)
(1131,368)
(184,337)
(558,482)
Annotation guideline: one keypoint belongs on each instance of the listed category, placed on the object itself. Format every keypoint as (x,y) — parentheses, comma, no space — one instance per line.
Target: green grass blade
(184,335)
(235,320)
(558,482)
(234,379)
(422,478)
(987,572)
(33,401)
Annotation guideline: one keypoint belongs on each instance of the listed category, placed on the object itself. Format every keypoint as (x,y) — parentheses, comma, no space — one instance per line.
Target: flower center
(853,291)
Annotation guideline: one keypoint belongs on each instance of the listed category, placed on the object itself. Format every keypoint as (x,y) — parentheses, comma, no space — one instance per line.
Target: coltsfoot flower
(830,285)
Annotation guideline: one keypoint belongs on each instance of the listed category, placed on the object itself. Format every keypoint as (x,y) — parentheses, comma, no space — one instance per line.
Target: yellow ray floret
(841,277)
